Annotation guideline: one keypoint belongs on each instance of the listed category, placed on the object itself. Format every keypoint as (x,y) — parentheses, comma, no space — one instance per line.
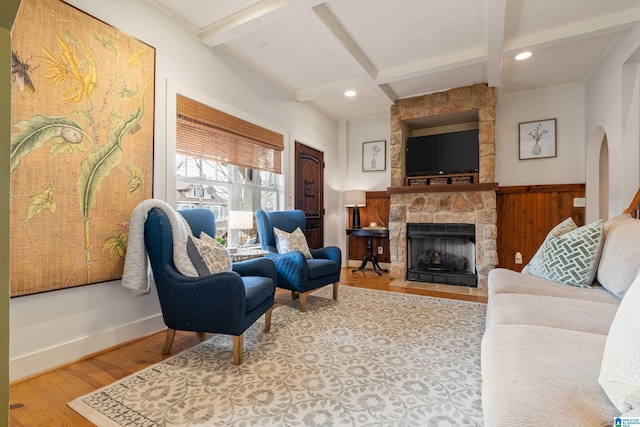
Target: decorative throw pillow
(620,259)
(289,242)
(208,256)
(560,229)
(570,258)
(620,368)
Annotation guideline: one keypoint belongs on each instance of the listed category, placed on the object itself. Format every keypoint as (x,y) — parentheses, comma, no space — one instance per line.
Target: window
(224,163)
(221,188)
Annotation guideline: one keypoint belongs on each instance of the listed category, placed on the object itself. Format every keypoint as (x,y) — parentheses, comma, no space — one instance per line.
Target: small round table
(369,233)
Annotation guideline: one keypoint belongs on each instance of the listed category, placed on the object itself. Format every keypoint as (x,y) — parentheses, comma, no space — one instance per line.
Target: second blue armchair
(295,272)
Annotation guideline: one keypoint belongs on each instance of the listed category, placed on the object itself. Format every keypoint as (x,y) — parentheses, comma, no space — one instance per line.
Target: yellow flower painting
(81,146)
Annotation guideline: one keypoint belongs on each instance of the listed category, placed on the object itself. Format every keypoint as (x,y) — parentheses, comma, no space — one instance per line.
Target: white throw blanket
(137,273)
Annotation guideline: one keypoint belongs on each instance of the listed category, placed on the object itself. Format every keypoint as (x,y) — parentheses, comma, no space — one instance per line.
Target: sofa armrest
(184,300)
(292,269)
(332,253)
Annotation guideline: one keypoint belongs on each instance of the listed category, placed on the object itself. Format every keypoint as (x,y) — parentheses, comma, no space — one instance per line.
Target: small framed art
(374,156)
(537,139)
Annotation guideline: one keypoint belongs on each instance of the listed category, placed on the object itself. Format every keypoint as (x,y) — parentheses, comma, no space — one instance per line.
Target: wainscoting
(377,210)
(526,214)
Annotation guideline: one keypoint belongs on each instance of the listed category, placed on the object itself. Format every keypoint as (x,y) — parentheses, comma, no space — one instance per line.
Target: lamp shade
(240,220)
(355,198)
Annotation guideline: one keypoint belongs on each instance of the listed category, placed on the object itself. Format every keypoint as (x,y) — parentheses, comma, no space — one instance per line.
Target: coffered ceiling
(385,50)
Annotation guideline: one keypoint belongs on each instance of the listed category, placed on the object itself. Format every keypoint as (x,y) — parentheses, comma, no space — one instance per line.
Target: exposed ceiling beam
(495,12)
(433,65)
(580,30)
(311,93)
(349,51)
(250,19)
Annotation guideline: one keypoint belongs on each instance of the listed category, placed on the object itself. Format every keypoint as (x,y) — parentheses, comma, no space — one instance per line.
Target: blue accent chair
(226,303)
(295,272)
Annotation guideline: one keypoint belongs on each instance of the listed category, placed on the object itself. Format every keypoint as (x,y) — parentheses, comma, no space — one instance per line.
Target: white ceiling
(386,50)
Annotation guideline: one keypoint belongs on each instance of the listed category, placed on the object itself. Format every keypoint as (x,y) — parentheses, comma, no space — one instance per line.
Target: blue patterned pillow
(208,255)
(289,242)
(570,257)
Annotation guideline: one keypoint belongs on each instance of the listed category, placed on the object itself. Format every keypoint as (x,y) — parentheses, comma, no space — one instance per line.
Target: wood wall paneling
(378,203)
(526,214)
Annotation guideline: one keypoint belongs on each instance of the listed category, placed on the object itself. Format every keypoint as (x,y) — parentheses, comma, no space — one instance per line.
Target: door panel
(309,195)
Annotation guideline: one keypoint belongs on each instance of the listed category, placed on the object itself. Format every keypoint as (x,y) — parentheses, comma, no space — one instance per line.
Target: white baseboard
(56,357)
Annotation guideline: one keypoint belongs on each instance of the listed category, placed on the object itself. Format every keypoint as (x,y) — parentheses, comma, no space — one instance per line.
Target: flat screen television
(447,153)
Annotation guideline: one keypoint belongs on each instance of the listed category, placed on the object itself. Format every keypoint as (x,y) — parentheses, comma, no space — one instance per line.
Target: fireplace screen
(441,253)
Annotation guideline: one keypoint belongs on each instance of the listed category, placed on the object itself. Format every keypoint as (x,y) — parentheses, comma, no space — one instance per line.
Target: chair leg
(335,291)
(168,342)
(238,346)
(303,301)
(267,320)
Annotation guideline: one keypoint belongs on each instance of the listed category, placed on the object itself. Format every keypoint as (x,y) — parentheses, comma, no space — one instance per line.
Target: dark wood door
(309,196)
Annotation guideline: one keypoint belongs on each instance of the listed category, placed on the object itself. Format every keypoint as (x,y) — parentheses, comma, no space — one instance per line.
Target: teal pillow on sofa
(569,256)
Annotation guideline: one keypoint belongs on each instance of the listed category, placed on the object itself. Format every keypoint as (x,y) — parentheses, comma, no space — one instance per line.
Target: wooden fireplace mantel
(448,188)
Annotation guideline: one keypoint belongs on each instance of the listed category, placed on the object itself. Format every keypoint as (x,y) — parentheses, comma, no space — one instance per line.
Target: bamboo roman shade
(208,133)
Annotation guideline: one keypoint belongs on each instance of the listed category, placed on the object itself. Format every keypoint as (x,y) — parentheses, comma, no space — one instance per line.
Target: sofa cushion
(534,375)
(289,242)
(502,280)
(620,372)
(542,310)
(257,290)
(620,260)
(208,256)
(570,258)
(322,267)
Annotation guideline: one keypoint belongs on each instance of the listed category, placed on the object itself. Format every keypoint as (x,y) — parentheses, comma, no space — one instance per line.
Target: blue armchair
(295,272)
(226,303)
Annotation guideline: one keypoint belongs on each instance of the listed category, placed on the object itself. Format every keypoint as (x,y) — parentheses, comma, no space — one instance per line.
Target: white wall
(566,105)
(612,109)
(374,129)
(55,328)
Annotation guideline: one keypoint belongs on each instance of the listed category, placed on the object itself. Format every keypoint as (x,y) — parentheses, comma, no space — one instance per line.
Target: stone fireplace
(448,203)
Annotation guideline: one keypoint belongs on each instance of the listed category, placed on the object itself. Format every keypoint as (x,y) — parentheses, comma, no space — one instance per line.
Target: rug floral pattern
(371,358)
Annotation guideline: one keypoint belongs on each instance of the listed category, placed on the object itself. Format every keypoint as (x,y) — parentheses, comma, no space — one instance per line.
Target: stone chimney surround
(454,203)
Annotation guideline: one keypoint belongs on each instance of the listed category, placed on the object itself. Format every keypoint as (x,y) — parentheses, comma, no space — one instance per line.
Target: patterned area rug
(371,358)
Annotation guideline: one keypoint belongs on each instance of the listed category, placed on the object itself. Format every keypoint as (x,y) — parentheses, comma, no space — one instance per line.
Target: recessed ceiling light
(523,55)
(350,93)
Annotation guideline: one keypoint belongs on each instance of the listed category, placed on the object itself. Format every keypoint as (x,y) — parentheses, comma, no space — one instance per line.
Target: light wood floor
(42,400)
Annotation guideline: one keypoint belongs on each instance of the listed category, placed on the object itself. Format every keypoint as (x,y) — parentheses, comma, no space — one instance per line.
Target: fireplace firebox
(442,253)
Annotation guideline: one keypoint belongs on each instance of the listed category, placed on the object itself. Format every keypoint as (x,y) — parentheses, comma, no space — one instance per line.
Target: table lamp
(355,199)
(239,220)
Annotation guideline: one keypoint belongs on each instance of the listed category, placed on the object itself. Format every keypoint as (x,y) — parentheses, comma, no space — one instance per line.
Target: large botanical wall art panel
(81,145)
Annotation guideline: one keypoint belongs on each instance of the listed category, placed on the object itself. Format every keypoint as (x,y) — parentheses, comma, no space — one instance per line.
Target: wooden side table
(369,233)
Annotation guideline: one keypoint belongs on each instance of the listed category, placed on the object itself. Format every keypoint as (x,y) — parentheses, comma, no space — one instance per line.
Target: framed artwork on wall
(81,146)
(374,156)
(537,139)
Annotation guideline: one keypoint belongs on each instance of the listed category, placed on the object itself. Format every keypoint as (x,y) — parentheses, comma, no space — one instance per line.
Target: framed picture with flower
(537,139)
(374,156)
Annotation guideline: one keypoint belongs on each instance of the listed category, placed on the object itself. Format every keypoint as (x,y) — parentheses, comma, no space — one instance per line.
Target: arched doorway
(597,179)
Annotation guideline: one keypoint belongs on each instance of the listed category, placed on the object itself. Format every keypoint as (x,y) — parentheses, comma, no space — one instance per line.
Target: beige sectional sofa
(544,341)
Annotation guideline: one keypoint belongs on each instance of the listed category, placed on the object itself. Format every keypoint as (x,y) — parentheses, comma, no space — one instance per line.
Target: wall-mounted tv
(447,153)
